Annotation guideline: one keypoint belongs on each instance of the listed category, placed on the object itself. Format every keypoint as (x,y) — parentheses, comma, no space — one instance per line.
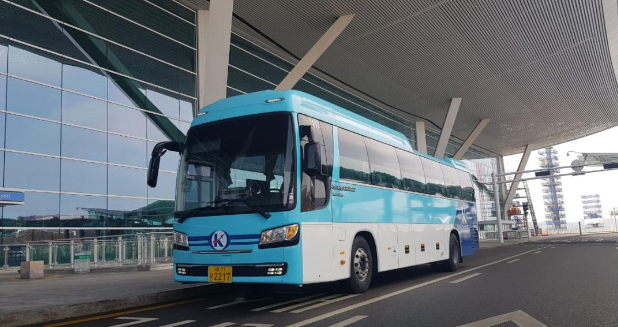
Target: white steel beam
(447,127)
(471,138)
(522,167)
(214,32)
(314,54)
(421,140)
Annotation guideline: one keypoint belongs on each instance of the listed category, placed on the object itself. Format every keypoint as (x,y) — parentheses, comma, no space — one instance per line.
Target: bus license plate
(219,274)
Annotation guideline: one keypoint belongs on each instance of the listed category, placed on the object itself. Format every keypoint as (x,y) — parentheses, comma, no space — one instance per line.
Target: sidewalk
(62,294)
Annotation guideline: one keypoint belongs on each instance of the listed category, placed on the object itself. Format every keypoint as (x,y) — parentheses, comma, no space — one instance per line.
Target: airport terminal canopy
(542,70)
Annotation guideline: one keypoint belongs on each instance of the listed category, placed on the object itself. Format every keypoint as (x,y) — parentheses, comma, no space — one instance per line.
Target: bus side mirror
(313,159)
(158,151)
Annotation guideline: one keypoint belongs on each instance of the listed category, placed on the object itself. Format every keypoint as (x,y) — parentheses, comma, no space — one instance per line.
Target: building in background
(593,215)
(87,88)
(555,217)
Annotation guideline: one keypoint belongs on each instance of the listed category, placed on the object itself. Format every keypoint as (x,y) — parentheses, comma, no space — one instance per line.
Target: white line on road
(180,323)
(324,303)
(537,252)
(348,321)
(288,302)
(514,260)
(224,324)
(137,320)
(294,306)
(518,317)
(405,290)
(236,301)
(464,278)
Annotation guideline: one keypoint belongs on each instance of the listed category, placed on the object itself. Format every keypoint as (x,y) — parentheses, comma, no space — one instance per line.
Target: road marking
(514,260)
(518,317)
(327,302)
(137,320)
(257,325)
(117,314)
(348,321)
(552,247)
(537,252)
(180,323)
(238,300)
(465,278)
(224,324)
(294,306)
(288,302)
(405,290)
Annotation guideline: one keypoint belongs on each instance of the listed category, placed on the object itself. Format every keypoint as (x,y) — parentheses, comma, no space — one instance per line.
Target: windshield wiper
(182,215)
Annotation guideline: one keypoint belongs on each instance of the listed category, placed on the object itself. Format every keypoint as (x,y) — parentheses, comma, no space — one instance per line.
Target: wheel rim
(361,264)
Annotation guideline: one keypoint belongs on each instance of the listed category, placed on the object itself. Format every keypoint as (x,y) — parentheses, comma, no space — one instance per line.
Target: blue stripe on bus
(232,243)
(233,237)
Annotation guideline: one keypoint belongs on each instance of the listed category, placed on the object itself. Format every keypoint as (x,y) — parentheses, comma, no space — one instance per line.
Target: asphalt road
(558,282)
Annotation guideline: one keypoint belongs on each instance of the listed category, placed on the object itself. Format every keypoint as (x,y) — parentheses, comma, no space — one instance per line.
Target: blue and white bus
(283,187)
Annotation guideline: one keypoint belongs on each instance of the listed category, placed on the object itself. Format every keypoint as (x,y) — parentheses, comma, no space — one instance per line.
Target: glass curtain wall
(86,90)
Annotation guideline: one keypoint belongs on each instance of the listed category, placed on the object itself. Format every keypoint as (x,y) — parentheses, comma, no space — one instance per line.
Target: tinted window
(384,164)
(32,172)
(4,53)
(33,99)
(126,181)
(315,190)
(353,161)
(83,143)
(433,176)
(32,135)
(2,91)
(84,111)
(82,210)
(168,105)
(451,181)
(84,80)
(39,210)
(412,172)
(123,212)
(83,177)
(467,189)
(126,121)
(27,64)
(127,151)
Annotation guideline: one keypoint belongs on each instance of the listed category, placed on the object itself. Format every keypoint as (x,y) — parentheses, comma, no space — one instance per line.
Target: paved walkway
(62,294)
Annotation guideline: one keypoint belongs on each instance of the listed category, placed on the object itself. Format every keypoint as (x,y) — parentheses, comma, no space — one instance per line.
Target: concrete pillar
(471,138)
(421,139)
(522,166)
(447,127)
(214,29)
(314,54)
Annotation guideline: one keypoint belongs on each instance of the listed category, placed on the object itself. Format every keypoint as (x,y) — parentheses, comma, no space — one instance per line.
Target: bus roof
(301,102)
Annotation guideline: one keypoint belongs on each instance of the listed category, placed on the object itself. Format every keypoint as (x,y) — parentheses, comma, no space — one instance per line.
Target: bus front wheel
(361,266)
(452,264)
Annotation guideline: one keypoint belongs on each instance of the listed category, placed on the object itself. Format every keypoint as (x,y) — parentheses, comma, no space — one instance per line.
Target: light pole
(494,180)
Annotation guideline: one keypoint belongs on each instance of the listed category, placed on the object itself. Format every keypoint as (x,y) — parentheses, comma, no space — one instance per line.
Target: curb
(47,315)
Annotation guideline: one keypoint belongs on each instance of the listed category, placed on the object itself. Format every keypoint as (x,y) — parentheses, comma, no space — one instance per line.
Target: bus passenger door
(316,154)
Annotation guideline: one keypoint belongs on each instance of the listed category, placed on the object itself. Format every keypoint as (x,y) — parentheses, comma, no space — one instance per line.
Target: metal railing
(147,249)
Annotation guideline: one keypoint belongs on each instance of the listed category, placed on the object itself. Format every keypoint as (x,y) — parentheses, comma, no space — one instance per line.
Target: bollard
(50,256)
(140,249)
(95,250)
(72,254)
(28,252)
(6,257)
(165,245)
(152,249)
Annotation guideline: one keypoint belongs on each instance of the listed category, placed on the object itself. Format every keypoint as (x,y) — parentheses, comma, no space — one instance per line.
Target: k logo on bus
(219,240)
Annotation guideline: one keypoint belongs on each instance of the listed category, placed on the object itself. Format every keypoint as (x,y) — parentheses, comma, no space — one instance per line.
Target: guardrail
(130,249)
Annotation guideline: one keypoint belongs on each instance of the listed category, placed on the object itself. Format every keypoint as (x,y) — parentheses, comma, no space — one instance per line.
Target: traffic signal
(525,207)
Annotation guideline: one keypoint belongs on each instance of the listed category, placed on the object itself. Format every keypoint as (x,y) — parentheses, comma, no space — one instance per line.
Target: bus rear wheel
(361,266)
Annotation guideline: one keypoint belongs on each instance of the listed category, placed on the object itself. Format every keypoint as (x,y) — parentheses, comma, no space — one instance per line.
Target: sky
(603,183)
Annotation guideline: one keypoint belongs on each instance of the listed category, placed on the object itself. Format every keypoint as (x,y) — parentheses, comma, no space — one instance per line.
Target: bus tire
(452,264)
(361,266)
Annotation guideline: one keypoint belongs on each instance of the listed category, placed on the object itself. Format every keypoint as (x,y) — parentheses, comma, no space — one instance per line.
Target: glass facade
(86,90)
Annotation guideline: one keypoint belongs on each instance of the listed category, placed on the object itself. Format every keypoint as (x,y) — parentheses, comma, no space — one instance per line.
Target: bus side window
(467,189)
(413,177)
(353,161)
(315,190)
(383,164)
(433,175)
(453,188)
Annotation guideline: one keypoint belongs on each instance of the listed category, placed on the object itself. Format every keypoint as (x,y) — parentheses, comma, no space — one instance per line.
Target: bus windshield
(239,165)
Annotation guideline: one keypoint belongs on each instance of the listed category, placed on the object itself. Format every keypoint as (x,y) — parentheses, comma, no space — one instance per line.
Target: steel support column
(522,166)
(314,54)
(447,127)
(421,139)
(471,138)
(214,30)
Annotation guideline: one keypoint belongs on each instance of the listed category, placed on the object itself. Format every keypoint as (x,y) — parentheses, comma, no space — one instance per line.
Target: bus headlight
(181,241)
(280,236)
